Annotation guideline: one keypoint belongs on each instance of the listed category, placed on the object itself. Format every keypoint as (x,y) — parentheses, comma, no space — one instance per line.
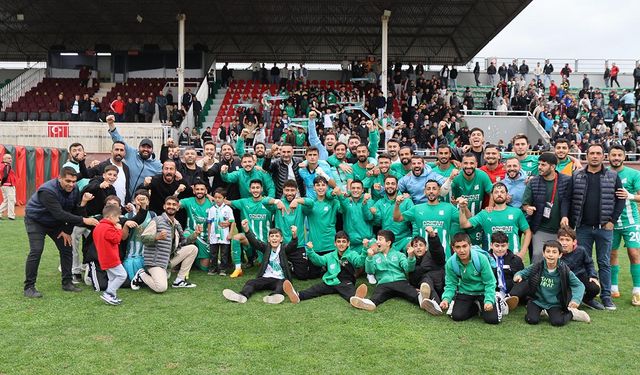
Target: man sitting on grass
(274,269)
(389,269)
(341,265)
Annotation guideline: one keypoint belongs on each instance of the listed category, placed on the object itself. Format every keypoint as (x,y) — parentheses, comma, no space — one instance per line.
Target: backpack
(476,251)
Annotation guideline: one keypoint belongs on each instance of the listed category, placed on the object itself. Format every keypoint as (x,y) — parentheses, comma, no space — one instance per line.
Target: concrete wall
(505,127)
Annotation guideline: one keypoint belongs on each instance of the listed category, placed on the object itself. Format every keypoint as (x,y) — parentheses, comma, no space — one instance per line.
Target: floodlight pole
(181,18)
(385,27)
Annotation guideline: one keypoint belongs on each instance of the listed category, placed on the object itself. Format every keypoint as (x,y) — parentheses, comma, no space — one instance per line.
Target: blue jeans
(587,235)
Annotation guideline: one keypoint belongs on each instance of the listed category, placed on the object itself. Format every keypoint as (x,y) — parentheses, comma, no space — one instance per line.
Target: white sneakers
(290,292)
(233,296)
(362,303)
(580,316)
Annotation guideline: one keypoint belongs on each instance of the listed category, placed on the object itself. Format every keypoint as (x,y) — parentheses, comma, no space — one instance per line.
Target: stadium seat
(65,116)
(22,116)
(45,116)
(56,116)
(33,116)
(3,116)
(11,116)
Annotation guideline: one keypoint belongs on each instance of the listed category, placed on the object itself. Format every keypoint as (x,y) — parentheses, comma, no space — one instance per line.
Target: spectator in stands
(187,99)
(85,107)
(75,108)
(523,70)
(476,73)
(636,77)
(61,104)
(566,71)
(224,76)
(170,98)
(149,109)
(84,75)
(161,101)
(502,73)
(264,74)
(184,139)
(117,106)
(8,183)
(195,140)
(177,116)
(444,76)
(453,76)
(275,74)
(197,109)
(206,135)
(547,70)
(141,112)
(284,75)
(614,74)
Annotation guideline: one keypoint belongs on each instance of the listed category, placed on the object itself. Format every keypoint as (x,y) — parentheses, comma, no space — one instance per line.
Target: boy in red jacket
(106,237)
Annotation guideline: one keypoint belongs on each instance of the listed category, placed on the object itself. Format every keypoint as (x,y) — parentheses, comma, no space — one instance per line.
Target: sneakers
(32,293)
(593,304)
(362,291)
(85,276)
(237,273)
(371,279)
(183,284)
(512,302)
(290,292)
(431,307)
(233,296)
(212,272)
(580,316)
(608,304)
(544,313)
(450,309)
(76,278)
(110,299)
(71,288)
(362,303)
(137,282)
(273,299)
(635,299)
(222,273)
(425,292)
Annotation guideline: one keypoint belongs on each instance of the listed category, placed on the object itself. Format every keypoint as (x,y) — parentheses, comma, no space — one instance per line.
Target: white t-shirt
(274,268)
(121,184)
(216,215)
(328,120)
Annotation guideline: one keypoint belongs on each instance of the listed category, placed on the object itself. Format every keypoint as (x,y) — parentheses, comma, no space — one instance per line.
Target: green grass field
(196,331)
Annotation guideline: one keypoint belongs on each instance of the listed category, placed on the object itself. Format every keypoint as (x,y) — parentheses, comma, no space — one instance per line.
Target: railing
(20,85)
(487,112)
(577,65)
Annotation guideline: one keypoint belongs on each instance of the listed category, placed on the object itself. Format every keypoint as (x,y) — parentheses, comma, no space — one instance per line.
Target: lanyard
(555,186)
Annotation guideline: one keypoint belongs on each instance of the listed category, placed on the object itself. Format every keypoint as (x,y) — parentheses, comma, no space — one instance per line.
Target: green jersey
(397,169)
(244,178)
(258,213)
(390,267)
(241,151)
(285,220)
(511,221)
(321,218)
(334,262)
(300,137)
(442,217)
(474,191)
(631,182)
(529,165)
(384,217)
(357,218)
(196,215)
(444,173)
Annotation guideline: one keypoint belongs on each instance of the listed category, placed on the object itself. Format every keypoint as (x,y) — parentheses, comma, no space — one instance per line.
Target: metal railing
(20,85)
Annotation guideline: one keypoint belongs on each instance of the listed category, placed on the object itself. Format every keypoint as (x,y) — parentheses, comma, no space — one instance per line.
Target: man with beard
(208,159)
(515,181)
(502,218)
(283,169)
(363,164)
(162,186)
(393,147)
(259,149)
(443,166)
(374,182)
(383,209)
(162,238)
(353,143)
(195,209)
(232,164)
(290,214)
(248,173)
(311,168)
(190,172)
(414,182)
(546,201)
(528,163)
(401,169)
(472,185)
(441,216)
(628,225)
(566,164)
(356,214)
(343,173)
(121,184)
(141,162)
(493,168)
(475,147)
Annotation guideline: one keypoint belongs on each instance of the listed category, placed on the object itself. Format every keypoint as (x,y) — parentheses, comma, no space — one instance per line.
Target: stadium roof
(433,31)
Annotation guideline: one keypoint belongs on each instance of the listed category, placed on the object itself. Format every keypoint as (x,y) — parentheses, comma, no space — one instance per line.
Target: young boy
(273,270)
(581,264)
(389,269)
(507,264)
(221,225)
(469,283)
(106,237)
(341,265)
(429,269)
(552,287)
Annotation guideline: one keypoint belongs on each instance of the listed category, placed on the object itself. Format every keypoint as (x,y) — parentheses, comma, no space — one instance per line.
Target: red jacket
(107,238)
(614,71)
(11,179)
(495,175)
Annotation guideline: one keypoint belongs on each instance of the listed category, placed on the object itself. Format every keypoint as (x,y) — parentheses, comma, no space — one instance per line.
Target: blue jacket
(52,207)
(415,185)
(516,189)
(315,141)
(138,167)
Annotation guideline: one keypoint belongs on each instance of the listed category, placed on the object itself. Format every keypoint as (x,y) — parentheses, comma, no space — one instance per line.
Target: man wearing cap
(142,162)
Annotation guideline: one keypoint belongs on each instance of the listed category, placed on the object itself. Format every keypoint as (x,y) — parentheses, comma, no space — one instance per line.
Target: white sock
(614,288)
(177,280)
(635,290)
(238,266)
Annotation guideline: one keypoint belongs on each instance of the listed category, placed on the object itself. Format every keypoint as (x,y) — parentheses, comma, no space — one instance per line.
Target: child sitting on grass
(341,265)
(274,269)
(106,237)
(389,269)
(507,264)
(429,269)
(553,288)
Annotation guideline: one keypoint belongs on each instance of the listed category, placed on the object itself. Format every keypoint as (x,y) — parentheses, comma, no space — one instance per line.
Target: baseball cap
(146,142)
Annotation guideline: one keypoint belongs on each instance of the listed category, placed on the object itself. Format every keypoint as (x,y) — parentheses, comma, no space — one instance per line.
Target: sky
(575,29)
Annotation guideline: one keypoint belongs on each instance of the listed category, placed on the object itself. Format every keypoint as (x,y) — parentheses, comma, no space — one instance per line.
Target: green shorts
(631,236)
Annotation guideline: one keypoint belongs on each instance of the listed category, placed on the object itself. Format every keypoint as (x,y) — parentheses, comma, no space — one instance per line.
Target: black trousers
(224,250)
(465,307)
(435,279)
(301,267)
(346,290)
(400,289)
(262,283)
(557,315)
(591,289)
(37,234)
